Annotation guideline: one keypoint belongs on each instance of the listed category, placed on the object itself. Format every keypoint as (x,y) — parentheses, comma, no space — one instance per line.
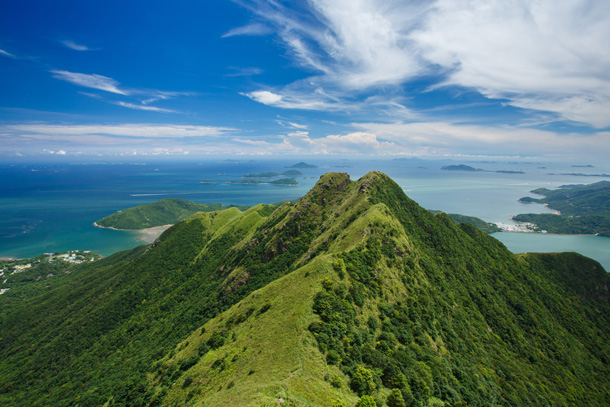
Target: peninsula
(581,209)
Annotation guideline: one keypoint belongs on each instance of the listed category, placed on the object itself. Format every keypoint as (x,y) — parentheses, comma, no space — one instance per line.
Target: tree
(362,381)
(395,399)
(366,401)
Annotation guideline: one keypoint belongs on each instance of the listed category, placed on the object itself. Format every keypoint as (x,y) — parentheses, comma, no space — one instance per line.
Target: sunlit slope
(355,290)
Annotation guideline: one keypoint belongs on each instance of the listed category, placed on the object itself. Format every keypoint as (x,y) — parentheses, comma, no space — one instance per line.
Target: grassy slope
(486,325)
(485,330)
(167,211)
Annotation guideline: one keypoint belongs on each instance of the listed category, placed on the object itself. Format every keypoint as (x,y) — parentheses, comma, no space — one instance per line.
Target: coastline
(148,235)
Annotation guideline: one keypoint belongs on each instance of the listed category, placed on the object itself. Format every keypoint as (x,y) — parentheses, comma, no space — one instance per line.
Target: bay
(51,207)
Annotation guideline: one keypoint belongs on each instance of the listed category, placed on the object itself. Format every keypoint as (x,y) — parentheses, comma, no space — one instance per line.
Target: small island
(289,173)
(463,167)
(291,182)
(460,167)
(303,165)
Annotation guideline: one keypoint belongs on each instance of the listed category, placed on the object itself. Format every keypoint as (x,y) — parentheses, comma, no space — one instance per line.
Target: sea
(51,206)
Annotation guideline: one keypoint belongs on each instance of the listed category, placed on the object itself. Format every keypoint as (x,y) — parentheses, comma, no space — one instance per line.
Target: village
(13,267)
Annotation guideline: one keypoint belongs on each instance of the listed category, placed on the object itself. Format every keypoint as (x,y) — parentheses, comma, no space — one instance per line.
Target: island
(163,213)
(581,209)
(289,173)
(463,167)
(283,181)
(303,165)
(460,167)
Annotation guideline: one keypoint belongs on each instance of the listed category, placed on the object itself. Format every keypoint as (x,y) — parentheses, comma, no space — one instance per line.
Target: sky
(317,77)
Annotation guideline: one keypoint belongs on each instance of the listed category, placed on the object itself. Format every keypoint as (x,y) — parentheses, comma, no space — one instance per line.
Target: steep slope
(411,302)
(355,290)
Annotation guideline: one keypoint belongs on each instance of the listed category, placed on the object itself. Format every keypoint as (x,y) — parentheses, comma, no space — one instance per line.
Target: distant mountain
(460,167)
(353,293)
(303,165)
(168,211)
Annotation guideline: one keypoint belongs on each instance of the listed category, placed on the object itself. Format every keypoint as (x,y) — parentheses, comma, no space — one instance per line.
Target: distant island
(462,167)
(291,182)
(303,165)
(580,174)
(509,172)
(289,173)
(582,209)
(165,212)
(582,166)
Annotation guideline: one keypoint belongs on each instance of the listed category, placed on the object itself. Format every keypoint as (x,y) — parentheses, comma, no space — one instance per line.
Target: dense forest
(583,209)
(354,295)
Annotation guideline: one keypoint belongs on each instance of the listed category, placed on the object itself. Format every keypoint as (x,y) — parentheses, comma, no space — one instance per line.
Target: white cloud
(244,71)
(84,131)
(445,138)
(93,81)
(315,100)
(250,29)
(75,46)
(360,143)
(145,107)
(543,55)
(7,54)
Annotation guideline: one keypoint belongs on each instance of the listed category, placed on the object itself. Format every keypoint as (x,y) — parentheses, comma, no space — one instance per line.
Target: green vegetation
(168,211)
(303,165)
(480,224)
(585,209)
(354,295)
(285,181)
(292,173)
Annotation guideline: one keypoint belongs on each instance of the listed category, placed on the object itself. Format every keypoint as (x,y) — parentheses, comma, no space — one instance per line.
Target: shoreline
(148,235)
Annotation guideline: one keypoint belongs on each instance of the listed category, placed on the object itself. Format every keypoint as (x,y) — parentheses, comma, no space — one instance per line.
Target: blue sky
(271,77)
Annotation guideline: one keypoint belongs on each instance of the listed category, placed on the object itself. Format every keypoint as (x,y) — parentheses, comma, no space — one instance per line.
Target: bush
(395,399)
(366,401)
(362,381)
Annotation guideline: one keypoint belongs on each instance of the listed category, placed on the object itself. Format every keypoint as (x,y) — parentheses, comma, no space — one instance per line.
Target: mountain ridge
(353,291)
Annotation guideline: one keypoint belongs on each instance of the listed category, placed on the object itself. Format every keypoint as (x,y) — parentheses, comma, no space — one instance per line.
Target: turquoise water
(595,247)
(51,207)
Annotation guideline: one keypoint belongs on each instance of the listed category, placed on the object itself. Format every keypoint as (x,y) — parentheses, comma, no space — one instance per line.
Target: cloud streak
(92,81)
(250,30)
(144,107)
(76,47)
(545,56)
(7,54)
(147,130)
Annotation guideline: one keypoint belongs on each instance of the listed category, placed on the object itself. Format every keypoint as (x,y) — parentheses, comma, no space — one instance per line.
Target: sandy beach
(147,235)
(151,234)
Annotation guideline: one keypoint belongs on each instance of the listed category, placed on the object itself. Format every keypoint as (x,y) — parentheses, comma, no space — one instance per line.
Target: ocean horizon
(51,207)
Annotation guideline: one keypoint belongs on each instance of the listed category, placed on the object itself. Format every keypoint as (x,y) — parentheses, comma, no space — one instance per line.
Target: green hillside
(167,211)
(354,291)
(584,209)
